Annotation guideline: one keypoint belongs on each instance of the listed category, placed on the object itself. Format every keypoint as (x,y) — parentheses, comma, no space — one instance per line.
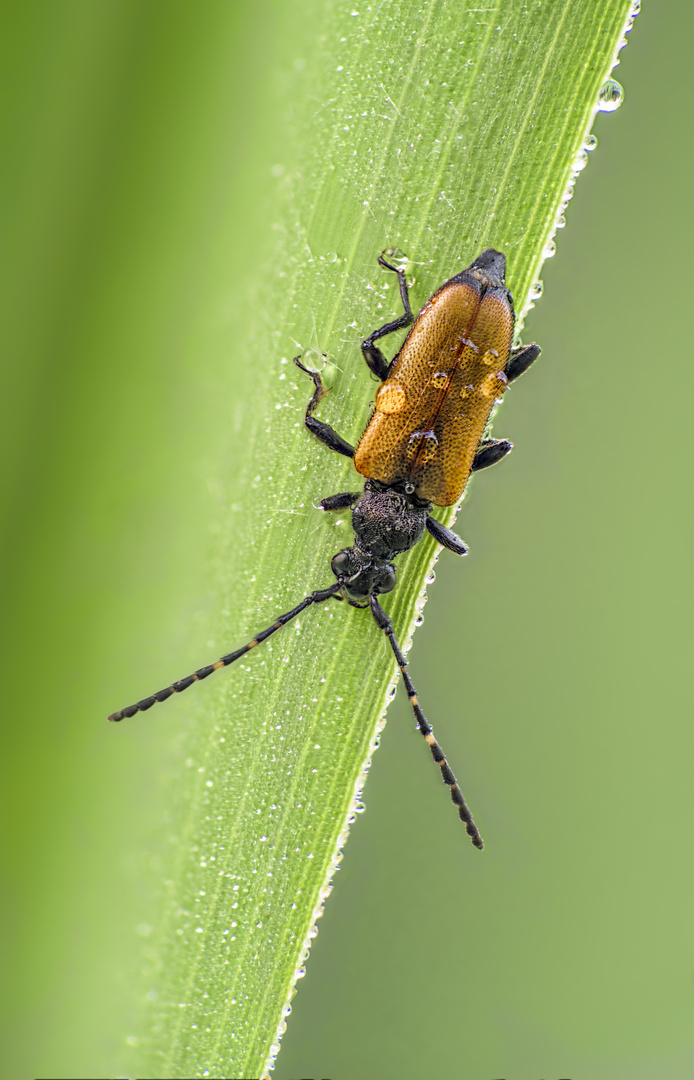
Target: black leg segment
(334,503)
(446,537)
(384,623)
(372,354)
(322,431)
(490,452)
(520,360)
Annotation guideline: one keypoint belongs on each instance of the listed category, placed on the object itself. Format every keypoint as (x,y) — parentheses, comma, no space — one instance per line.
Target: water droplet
(611,96)
(423,444)
(580,161)
(419,620)
(359,807)
(440,379)
(549,249)
(561,221)
(590,142)
(332,257)
(430,578)
(469,344)
(536,290)
(396,257)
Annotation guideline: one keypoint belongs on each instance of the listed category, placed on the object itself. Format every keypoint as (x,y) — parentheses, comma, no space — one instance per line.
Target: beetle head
(361,574)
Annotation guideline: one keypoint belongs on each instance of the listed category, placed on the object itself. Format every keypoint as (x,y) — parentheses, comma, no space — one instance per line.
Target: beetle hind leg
(322,431)
(489,452)
(520,360)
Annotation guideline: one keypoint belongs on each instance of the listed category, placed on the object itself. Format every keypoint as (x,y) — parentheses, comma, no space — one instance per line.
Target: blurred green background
(138,142)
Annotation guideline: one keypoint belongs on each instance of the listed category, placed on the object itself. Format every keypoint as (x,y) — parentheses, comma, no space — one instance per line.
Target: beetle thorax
(387,522)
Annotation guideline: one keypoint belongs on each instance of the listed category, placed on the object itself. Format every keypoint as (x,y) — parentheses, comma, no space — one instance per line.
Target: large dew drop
(611,96)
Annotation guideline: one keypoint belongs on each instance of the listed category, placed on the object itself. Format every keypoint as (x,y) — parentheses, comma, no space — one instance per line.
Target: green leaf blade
(440,130)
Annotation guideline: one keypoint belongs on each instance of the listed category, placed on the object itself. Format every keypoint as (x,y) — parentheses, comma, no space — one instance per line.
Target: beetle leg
(322,431)
(375,359)
(384,623)
(334,503)
(445,537)
(371,353)
(520,360)
(490,452)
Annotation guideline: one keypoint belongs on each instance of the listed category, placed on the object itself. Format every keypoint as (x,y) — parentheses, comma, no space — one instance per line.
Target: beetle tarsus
(322,431)
(373,356)
(402,282)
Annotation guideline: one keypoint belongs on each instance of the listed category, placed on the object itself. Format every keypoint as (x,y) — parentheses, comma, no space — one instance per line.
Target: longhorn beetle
(424,439)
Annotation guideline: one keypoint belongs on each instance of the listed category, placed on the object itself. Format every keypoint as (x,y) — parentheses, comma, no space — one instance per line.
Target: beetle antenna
(317,597)
(384,623)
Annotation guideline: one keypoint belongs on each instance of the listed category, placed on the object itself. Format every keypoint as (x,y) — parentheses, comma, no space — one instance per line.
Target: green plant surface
(437,128)
(443,131)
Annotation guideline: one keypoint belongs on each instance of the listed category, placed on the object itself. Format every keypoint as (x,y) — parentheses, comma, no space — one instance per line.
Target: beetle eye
(340,563)
(386,580)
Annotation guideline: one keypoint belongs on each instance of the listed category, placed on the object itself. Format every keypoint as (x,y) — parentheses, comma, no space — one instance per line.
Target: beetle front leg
(322,431)
(371,353)
(344,501)
(446,537)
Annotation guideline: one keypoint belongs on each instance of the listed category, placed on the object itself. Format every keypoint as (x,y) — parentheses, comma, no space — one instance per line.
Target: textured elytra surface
(431,413)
